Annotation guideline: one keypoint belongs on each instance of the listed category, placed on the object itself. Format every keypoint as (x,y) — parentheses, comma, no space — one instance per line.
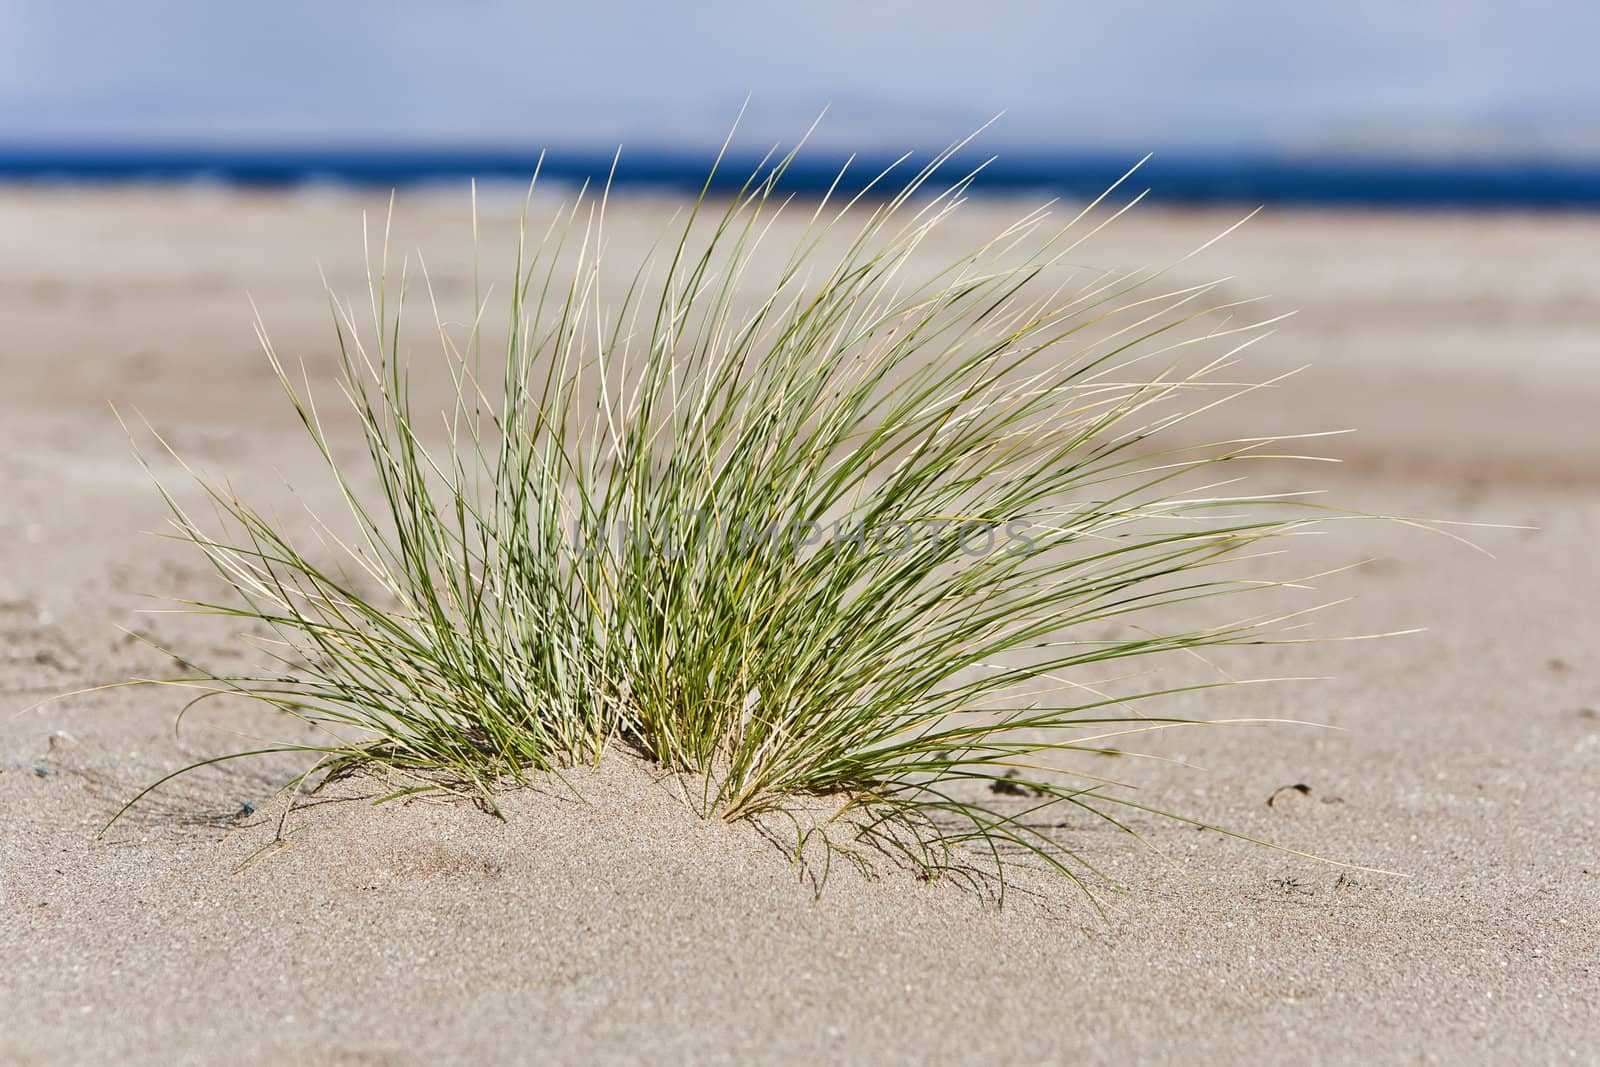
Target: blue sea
(1173,178)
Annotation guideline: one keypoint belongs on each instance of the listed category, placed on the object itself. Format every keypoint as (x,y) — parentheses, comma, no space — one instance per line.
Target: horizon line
(1186,175)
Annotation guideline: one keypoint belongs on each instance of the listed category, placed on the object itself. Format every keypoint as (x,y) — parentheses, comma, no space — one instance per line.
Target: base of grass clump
(867,530)
(817,836)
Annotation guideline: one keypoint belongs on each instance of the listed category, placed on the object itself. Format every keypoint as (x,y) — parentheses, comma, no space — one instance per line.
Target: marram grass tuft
(833,527)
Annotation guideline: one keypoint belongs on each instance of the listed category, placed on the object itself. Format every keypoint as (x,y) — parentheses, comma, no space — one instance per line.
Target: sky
(1406,76)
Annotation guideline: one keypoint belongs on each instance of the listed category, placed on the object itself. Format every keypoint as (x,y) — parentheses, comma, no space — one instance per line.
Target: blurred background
(1430,170)
(1439,101)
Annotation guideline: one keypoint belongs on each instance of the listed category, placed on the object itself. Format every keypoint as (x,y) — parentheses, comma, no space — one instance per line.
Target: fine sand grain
(618,927)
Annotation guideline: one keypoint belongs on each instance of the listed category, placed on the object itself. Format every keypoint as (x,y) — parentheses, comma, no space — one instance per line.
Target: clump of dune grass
(829,524)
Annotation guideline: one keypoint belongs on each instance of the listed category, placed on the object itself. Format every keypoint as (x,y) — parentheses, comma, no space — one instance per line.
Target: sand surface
(1466,350)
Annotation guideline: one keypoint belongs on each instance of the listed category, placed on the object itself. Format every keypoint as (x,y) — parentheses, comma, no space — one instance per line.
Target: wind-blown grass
(873,537)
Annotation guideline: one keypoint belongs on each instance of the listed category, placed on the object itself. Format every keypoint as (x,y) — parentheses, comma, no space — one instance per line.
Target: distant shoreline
(1179,178)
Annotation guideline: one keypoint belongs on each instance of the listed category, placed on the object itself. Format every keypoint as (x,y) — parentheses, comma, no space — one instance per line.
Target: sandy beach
(1465,352)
